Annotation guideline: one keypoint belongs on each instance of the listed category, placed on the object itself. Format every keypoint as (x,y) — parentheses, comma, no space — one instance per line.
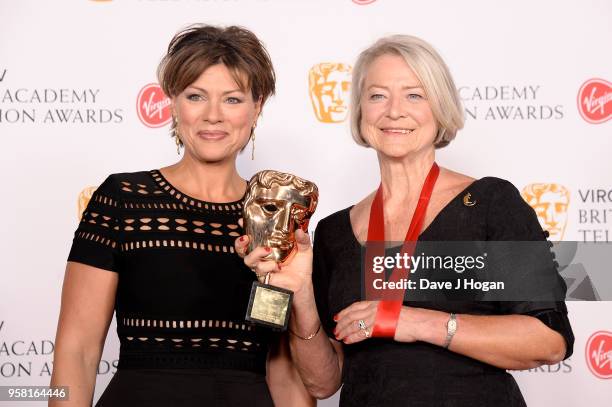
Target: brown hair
(199,46)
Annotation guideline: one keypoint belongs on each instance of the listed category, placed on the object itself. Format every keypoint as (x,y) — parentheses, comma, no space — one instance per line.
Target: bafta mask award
(275,206)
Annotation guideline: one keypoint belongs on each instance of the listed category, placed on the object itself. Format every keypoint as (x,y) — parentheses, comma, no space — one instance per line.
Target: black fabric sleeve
(510,218)
(97,238)
(320,280)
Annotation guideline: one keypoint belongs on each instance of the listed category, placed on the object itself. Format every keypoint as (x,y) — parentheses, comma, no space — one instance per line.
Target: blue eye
(194,97)
(233,100)
(414,96)
(376,96)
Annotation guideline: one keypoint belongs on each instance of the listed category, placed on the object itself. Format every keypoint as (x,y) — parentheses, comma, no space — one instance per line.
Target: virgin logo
(153,106)
(363,2)
(594,99)
(599,354)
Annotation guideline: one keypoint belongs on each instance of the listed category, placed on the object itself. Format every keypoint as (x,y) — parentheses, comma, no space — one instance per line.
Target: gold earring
(177,138)
(253,141)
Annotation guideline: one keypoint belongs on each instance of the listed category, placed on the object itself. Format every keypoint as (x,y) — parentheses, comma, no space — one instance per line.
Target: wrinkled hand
(347,322)
(410,324)
(294,274)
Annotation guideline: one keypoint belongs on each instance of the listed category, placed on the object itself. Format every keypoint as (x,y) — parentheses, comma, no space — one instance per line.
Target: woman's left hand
(347,322)
(348,329)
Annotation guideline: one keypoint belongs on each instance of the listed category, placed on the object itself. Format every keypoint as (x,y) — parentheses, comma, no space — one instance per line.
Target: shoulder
(126,183)
(454,182)
(493,183)
(333,223)
(450,180)
(509,217)
(498,195)
(500,191)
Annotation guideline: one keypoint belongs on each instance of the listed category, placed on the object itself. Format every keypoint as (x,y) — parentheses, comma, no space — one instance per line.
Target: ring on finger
(364,328)
(362,324)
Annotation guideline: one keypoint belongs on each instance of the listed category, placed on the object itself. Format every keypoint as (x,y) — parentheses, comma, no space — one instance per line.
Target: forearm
(506,341)
(76,370)
(288,396)
(287,392)
(284,381)
(88,298)
(316,359)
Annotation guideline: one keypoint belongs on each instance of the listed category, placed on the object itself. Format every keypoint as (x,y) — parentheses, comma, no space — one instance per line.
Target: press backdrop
(78,101)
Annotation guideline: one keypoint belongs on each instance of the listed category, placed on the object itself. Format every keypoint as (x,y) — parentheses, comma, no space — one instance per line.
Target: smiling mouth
(212,134)
(393,131)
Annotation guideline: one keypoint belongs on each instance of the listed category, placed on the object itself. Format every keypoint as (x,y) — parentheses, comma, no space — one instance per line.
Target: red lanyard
(391,304)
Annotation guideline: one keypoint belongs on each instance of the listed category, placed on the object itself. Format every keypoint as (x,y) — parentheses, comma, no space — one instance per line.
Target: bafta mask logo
(329,85)
(276,205)
(153,106)
(550,202)
(84,198)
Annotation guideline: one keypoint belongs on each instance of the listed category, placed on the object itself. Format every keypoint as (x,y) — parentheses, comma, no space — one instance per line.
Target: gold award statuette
(275,206)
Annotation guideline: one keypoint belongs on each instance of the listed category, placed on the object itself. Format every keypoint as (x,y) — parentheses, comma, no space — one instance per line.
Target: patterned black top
(182,292)
(380,372)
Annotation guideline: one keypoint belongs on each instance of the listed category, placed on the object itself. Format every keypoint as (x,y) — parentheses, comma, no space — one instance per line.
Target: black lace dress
(181,297)
(381,372)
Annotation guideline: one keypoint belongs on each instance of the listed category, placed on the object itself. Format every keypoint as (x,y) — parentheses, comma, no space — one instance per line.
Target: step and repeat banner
(79,100)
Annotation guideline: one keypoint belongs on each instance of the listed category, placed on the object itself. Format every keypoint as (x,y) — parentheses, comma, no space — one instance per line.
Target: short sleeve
(510,218)
(97,239)
(320,280)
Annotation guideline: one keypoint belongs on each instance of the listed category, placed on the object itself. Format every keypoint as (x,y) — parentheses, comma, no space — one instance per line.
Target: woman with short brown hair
(157,247)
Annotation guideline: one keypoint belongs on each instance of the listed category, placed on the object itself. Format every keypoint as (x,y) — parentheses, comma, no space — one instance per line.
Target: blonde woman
(405,106)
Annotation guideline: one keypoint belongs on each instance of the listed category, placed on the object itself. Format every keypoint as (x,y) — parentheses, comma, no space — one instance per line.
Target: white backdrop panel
(111,49)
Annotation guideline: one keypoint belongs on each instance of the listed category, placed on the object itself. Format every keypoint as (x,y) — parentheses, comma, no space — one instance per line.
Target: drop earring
(253,141)
(177,138)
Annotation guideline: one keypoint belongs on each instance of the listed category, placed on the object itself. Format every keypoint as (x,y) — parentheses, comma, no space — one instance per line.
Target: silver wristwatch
(451,328)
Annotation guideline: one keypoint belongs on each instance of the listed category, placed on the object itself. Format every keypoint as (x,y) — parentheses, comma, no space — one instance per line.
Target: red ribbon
(390,305)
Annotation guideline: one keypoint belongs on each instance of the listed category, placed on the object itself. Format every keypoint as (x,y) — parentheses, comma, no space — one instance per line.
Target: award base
(269,306)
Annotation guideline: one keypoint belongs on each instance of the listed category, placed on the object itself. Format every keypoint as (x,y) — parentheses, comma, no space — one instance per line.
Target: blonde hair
(431,71)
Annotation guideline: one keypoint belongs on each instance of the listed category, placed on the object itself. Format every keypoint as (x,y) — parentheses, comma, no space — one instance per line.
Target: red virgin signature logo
(599,354)
(153,106)
(594,100)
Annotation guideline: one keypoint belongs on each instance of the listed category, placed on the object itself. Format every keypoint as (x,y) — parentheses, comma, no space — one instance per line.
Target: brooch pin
(467,201)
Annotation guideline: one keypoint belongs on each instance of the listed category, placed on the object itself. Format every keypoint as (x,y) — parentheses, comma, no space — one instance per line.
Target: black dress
(181,297)
(381,372)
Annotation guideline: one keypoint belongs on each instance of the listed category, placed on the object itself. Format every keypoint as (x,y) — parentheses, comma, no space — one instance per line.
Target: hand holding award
(276,205)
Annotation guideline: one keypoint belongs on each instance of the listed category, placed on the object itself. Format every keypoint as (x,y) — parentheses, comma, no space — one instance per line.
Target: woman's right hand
(294,274)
